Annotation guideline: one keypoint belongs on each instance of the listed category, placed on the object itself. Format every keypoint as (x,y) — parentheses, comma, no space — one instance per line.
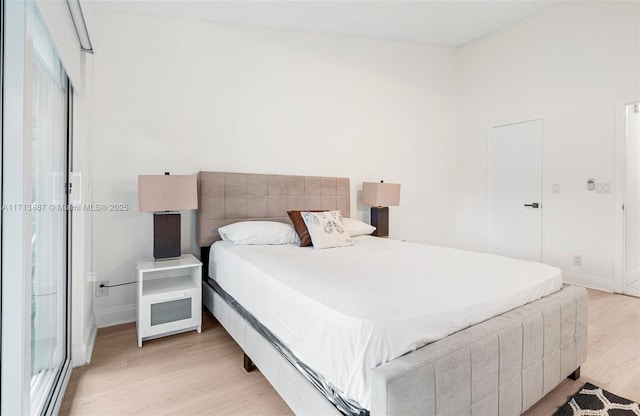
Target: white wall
(569,64)
(183,96)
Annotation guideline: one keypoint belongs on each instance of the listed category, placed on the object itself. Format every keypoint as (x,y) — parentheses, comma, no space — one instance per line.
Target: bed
(501,365)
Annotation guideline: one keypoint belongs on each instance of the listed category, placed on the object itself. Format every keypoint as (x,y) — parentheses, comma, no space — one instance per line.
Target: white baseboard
(116,316)
(92,331)
(91,343)
(82,352)
(587,281)
(79,355)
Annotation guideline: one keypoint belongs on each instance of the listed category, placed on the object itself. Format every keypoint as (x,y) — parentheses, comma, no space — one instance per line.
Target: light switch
(603,187)
(555,188)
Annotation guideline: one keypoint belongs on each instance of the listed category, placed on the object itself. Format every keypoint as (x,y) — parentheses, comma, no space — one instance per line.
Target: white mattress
(344,311)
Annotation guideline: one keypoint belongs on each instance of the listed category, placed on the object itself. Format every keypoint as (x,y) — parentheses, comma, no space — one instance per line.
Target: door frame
(15,348)
(619,191)
(508,122)
(16,261)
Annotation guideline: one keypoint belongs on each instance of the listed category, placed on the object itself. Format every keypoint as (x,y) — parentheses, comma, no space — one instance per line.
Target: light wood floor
(198,374)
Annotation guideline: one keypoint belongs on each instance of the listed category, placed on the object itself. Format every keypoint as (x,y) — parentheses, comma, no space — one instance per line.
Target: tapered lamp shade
(381,194)
(167,192)
(162,194)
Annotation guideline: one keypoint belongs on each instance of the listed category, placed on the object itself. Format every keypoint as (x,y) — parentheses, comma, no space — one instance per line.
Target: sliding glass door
(35,219)
(49,268)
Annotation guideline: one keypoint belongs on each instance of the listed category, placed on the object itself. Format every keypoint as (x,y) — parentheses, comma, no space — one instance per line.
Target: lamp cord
(121,284)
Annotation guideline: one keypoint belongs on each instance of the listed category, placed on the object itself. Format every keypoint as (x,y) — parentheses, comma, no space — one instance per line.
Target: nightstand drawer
(169,312)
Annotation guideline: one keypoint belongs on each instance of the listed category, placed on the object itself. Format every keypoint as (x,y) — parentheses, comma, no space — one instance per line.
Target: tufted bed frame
(501,366)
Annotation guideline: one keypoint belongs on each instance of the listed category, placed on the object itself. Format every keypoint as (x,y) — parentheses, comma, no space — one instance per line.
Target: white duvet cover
(346,310)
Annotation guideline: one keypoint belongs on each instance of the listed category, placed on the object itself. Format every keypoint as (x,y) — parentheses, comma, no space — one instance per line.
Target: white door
(515,189)
(632,202)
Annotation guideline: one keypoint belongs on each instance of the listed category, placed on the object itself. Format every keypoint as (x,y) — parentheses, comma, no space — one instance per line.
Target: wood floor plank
(202,374)
(185,374)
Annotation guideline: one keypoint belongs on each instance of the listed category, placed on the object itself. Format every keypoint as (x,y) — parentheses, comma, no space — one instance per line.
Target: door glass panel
(632,202)
(49,219)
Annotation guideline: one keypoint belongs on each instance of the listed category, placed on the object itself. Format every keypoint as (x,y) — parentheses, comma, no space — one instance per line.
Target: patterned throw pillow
(301,228)
(326,229)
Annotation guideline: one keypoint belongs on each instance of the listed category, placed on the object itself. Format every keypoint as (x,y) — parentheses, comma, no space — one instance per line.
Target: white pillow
(356,227)
(326,229)
(259,232)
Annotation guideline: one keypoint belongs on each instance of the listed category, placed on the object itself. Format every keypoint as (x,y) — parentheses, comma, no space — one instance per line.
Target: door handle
(532,205)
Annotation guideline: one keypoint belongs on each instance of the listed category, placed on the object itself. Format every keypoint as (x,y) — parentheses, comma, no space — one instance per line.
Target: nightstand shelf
(169,297)
(159,286)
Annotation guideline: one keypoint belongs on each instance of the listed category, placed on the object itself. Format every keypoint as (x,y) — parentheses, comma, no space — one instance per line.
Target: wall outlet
(577,260)
(104,290)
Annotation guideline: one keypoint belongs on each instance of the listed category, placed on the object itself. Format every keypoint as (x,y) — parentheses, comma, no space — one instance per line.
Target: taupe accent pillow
(301,227)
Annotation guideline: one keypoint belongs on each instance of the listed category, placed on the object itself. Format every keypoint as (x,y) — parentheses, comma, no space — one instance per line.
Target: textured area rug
(593,401)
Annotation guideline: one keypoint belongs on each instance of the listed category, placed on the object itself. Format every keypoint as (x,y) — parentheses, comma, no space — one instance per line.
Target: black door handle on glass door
(533,205)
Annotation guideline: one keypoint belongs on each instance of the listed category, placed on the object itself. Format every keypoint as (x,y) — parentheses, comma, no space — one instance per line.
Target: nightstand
(169,297)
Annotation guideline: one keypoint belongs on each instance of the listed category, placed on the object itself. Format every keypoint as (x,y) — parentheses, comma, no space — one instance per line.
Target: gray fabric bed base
(292,386)
(499,367)
(328,391)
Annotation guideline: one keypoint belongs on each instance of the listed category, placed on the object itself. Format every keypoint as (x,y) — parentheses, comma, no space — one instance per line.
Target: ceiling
(446,23)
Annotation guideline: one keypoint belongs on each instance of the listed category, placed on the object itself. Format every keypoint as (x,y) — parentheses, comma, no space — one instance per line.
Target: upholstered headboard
(225,198)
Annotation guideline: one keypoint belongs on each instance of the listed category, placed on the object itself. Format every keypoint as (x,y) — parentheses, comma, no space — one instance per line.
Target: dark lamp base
(380,220)
(166,235)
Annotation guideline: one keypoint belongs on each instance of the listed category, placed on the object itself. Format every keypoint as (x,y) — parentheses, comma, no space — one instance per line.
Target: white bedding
(344,311)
